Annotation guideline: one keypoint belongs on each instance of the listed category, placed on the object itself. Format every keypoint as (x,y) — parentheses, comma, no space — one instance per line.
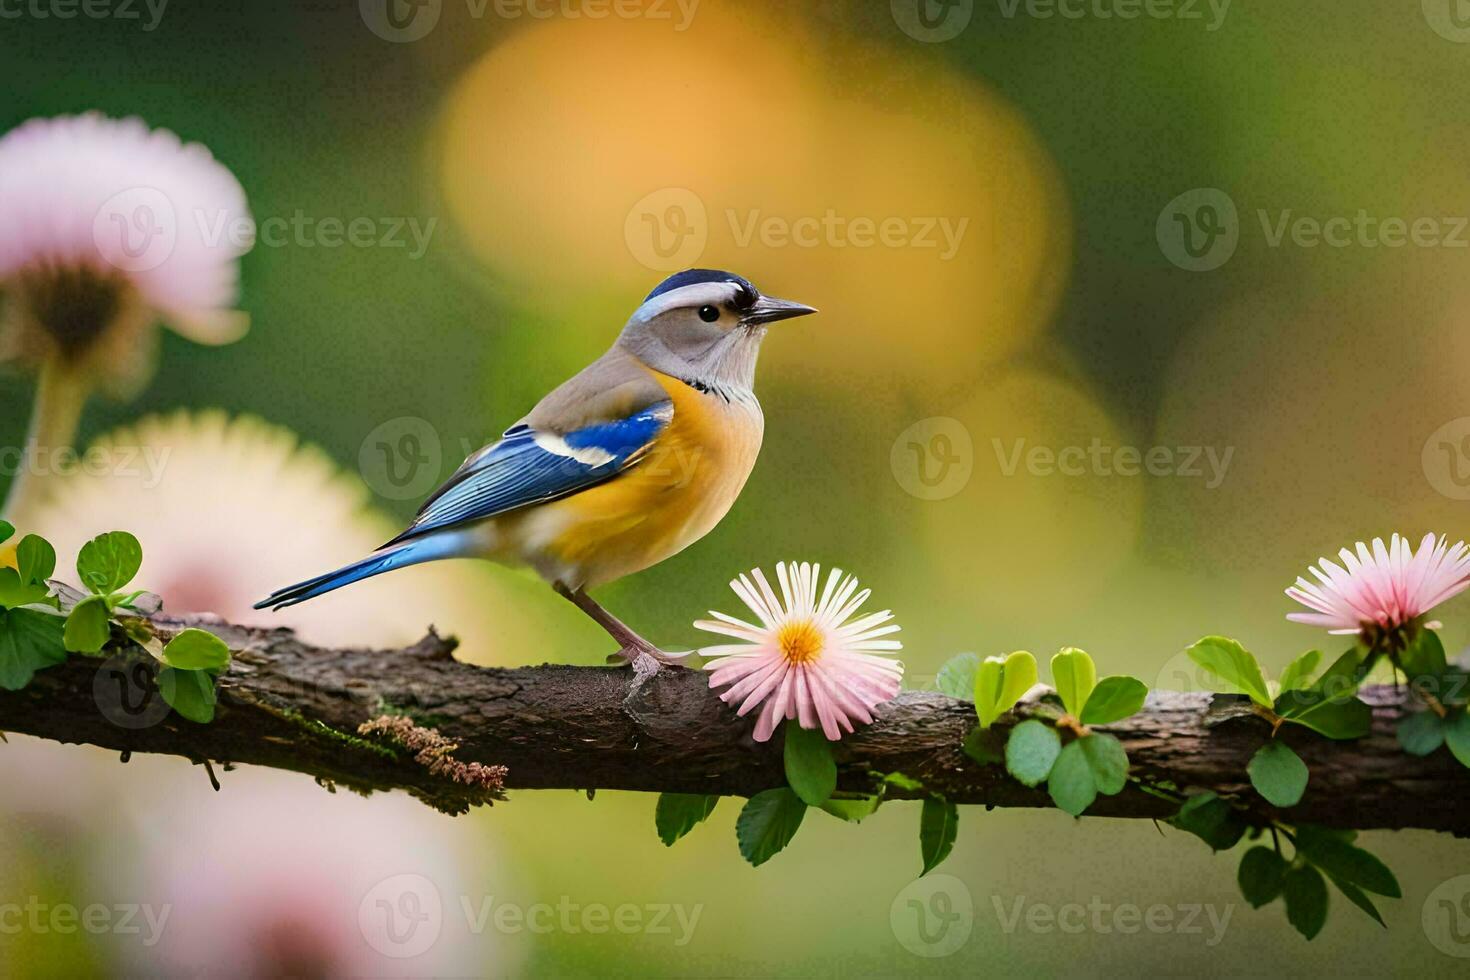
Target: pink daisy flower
(1382,588)
(805,660)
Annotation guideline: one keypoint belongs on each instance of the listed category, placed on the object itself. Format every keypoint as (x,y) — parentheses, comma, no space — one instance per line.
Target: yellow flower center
(800,641)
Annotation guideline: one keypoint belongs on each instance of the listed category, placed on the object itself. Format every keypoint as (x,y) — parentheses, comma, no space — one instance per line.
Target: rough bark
(290,705)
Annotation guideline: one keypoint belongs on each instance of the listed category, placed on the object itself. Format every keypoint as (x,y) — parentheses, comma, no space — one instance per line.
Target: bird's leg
(644,656)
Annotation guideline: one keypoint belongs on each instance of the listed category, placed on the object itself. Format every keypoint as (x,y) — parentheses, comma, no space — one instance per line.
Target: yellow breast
(669,499)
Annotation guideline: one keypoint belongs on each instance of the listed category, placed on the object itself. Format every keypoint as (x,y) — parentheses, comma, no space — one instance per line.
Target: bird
(624,465)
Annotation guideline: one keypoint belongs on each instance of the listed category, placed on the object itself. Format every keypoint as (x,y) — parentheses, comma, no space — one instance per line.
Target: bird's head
(702,324)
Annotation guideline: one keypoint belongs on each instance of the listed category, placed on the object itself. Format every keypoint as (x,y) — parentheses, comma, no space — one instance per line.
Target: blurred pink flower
(1382,588)
(805,660)
(107,224)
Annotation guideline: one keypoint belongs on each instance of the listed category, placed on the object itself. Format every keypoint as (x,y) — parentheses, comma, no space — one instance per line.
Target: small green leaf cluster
(30,622)
(1444,690)
(1327,705)
(769,820)
(1321,856)
(38,627)
(1090,762)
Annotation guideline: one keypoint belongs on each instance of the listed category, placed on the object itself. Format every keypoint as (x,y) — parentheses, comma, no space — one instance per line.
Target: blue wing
(528,466)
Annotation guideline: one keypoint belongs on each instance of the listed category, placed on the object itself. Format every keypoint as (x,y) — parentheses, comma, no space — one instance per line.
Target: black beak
(768,309)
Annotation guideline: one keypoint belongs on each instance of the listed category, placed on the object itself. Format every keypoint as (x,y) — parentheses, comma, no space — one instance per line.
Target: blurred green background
(1324,378)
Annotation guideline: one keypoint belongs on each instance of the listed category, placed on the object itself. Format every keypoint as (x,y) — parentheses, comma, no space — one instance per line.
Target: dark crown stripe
(690,277)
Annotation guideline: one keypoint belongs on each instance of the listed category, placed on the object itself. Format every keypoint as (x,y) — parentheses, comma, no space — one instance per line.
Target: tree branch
(289,705)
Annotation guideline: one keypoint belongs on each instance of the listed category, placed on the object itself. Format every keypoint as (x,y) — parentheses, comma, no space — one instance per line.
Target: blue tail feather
(385,560)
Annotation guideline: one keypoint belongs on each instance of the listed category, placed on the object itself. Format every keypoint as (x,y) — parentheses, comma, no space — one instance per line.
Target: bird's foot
(651,657)
(646,660)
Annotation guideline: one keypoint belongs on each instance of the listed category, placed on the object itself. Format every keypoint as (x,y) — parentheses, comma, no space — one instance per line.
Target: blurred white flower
(227,509)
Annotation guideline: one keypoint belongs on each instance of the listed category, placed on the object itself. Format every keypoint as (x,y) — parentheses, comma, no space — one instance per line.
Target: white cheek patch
(587,455)
(693,295)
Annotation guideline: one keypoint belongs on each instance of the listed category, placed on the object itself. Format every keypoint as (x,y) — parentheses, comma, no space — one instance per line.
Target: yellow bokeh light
(923,218)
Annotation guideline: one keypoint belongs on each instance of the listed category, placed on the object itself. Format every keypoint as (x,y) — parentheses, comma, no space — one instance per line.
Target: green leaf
(1424,656)
(1306,900)
(15,592)
(109,561)
(7,531)
(1350,863)
(1421,732)
(1262,875)
(985,746)
(1355,895)
(767,823)
(1114,699)
(678,813)
(1457,736)
(1233,667)
(189,692)
(810,768)
(938,825)
(1335,719)
(35,559)
(29,641)
(87,627)
(852,810)
(1001,682)
(1210,819)
(902,782)
(1031,751)
(1298,673)
(1073,674)
(1108,761)
(957,677)
(195,649)
(1071,783)
(1278,774)
(1340,681)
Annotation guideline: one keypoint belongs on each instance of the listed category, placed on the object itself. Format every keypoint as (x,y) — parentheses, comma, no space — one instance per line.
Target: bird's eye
(709,314)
